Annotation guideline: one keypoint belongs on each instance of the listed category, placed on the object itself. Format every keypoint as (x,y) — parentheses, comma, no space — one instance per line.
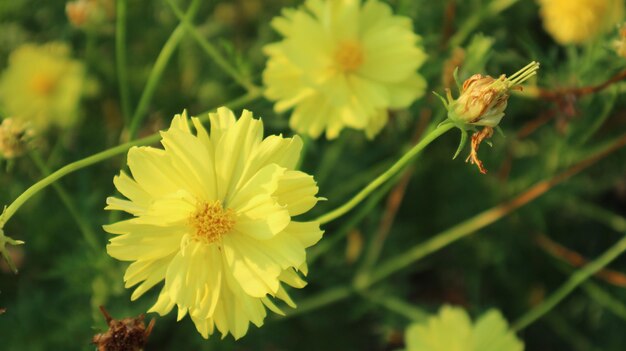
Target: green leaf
(462,143)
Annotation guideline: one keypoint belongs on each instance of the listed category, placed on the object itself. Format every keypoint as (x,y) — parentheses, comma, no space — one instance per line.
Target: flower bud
(483,99)
(620,44)
(14,138)
(89,13)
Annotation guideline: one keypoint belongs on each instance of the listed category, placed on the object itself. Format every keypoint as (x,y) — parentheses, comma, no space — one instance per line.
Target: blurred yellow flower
(213,219)
(578,21)
(343,63)
(452,329)
(42,85)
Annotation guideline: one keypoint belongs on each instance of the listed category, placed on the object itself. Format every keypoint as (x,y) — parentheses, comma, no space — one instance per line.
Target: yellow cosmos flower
(452,329)
(42,85)
(578,21)
(343,64)
(213,219)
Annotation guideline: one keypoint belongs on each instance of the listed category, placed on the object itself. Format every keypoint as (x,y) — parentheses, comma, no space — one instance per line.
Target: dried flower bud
(14,138)
(482,102)
(483,99)
(128,334)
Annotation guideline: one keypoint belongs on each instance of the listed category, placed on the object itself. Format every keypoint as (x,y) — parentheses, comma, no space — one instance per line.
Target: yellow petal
(238,143)
(296,191)
(254,270)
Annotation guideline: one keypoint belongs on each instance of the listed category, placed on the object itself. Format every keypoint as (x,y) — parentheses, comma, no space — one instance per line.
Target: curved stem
(570,285)
(393,170)
(120,57)
(157,71)
(325,298)
(72,167)
(483,219)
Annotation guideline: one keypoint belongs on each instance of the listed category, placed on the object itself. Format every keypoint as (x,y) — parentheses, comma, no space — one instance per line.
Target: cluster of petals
(212,218)
(343,63)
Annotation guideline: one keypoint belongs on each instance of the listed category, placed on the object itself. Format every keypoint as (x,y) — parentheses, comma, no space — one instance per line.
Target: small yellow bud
(483,99)
(89,13)
(14,138)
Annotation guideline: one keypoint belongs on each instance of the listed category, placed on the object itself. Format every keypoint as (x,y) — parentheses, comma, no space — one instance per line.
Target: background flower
(452,329)
(213,220)
(575,22)
(343,64)
(42,85)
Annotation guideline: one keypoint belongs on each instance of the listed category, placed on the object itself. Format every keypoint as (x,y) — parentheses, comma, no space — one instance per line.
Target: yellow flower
(452,329)
(42,85)
(578,21)
(343,64)
(213,219)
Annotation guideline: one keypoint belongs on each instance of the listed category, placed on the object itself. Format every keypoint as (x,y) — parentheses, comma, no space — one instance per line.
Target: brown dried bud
(128,334)
(483,99)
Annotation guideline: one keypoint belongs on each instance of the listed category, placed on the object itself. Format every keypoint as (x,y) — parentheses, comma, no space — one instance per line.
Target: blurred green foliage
(52,304)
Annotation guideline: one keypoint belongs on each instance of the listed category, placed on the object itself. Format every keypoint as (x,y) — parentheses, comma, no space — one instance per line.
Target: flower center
(349,56)
(211,221)
(42,84)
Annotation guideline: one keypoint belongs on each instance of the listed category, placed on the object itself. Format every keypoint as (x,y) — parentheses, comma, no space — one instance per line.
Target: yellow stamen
(349,56)
(42,84)
(211,221)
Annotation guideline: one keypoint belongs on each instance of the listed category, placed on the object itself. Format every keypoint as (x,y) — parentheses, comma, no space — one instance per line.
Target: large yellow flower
(343,64)
(213,219)
(42,85)
(578,21)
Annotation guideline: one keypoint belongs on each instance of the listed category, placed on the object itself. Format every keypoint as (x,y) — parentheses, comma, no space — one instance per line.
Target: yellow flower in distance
(213,220)
(42,85)
(343,63)
(578,21)
(452,329)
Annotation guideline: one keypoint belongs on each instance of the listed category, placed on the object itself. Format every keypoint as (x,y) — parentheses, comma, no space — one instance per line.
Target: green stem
(393,170)
(120,57)
(484,219)
(85,227)
(210,50)
(605,299)
(157,71)
(477,17)
(325,298)
(570,285)
(600,214)
(70,168)
(396,305)
(326,244)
